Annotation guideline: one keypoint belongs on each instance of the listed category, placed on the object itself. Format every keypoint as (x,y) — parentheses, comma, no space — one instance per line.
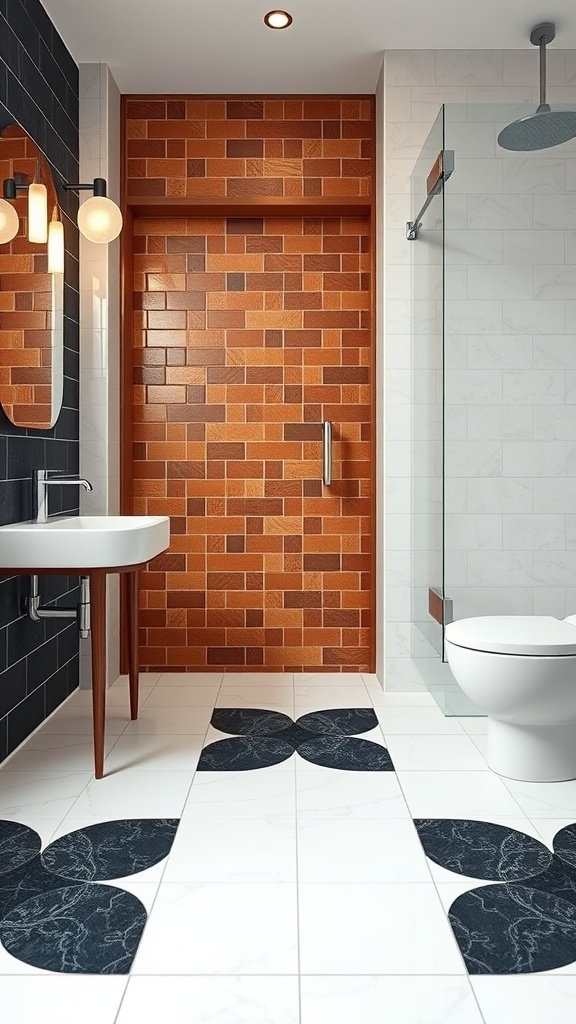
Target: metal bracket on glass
(440,607)
(441,171)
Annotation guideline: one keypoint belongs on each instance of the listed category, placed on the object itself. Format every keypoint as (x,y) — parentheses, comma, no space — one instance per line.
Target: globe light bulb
(9,222)
(99,219)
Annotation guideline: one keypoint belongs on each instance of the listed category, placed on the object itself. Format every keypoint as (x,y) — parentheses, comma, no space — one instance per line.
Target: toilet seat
(536,635)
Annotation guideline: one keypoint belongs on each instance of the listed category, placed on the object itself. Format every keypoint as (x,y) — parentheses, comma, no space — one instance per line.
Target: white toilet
(521,670)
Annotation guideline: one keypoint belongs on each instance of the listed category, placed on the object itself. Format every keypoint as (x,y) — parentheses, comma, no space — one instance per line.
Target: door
(249,333)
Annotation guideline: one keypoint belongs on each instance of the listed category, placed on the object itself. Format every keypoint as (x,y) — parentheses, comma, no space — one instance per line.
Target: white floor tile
(258,679)
(328,793)
(262,793)
(377,850)
(191,679)
(46,751)
(545,799)
(78,722)
(546,828)
(434,753)
(371,1000)
(373,929)
(45,827)
(218,1000)
(181,696)
(271,698)
(480,740)
(317,698)
(220,929)
(457,795)
(329,679)
(41,794)
(474,725)
(541,999)
(146,679)
(414,721)
(390,699)
(181,721)
(235,850)
(135,794)
(155,753)
(61,999)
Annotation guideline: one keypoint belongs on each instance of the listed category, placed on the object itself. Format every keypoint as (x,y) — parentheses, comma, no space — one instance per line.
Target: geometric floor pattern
(318,888)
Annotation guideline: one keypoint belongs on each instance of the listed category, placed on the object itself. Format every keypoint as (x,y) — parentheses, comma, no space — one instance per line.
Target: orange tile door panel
(248,333)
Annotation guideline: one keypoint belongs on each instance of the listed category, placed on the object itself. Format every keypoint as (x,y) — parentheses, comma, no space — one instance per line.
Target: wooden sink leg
(98,627)
(133,596)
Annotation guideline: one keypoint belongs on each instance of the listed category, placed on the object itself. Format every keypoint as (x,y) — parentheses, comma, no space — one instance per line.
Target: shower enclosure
(493,454)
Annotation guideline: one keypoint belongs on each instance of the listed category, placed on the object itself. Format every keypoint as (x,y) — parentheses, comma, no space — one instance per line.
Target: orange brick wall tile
(248,333)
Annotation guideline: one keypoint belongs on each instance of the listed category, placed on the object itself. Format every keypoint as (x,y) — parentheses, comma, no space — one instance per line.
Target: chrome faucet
(44,478)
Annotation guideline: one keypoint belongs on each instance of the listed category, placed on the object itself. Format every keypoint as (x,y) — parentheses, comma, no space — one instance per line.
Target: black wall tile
(39,661)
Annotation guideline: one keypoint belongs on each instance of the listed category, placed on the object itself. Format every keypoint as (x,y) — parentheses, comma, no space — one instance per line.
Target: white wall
(100,332)
(415,84)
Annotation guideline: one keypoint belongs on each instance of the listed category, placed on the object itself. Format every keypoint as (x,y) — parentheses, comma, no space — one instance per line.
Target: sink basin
(83,542)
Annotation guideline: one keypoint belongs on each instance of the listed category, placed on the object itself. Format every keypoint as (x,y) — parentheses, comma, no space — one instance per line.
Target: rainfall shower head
(546,127)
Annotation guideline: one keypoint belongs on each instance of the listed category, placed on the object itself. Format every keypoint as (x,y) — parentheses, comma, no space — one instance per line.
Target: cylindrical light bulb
(9,222)
(55,247)
(37,213)
(99,219)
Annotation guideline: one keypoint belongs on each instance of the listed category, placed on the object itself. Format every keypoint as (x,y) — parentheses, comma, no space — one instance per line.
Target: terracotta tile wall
(254,147)
(248,333)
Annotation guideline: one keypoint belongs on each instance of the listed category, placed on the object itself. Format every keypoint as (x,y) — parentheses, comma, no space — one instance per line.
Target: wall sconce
(37,209)
(99,219)
(55,244)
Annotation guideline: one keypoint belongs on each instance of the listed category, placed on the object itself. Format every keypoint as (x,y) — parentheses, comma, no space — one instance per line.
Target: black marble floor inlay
(264,738)
(78,928)
(527,921)
(480,849)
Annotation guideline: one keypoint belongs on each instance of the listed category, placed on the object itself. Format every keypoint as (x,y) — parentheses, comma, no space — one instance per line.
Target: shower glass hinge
(440,607)
(81,613)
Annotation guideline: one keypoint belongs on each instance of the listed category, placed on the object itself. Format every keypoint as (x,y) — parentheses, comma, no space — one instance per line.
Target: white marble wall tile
(504,422)
(469,248)
(534,387)
(410,68)
(473,317)
(470,139)
(473,458)
(534,458)
(555,422)
(554,282)
(550,601)
(554,495)
(508,281)
(473,531)
(501,495)
(533,317)
(532,174)
(520,67)
(500,351)
(531,247)
(534,532)
(399,104)
(473,387)
(500,568)
(502,212)
(469,67)
(476,175)
(555,211)
(555,568)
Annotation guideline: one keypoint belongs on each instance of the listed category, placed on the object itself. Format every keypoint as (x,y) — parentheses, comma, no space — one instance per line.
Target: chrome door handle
(327,453)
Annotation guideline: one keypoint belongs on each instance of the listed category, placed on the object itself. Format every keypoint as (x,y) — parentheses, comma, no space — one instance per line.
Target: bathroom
(250,869)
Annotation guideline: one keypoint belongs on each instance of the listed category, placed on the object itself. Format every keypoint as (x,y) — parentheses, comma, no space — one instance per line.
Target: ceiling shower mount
(546,127)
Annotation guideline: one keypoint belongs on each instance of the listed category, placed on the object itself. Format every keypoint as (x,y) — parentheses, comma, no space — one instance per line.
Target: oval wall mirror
(31,299)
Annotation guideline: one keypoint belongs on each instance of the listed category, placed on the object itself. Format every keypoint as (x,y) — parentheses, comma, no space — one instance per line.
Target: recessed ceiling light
(277,19)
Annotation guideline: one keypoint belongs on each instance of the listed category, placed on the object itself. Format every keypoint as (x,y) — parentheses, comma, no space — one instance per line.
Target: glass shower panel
(427,255)
(510,380)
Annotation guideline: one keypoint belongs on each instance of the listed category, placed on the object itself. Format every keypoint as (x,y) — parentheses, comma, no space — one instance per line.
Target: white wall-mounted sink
(83,542)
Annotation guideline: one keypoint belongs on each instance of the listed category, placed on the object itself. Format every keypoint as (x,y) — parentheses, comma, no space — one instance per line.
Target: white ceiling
(334,46)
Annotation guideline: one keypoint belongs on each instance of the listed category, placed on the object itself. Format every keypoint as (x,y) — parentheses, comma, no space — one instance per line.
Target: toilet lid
(514,634)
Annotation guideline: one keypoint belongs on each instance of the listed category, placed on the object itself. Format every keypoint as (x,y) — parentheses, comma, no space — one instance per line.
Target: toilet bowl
(521,670)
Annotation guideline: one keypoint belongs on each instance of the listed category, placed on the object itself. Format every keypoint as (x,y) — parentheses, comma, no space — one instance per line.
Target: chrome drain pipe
(82,612)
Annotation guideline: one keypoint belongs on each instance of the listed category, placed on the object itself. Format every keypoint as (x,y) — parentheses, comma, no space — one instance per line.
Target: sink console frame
(98,637)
